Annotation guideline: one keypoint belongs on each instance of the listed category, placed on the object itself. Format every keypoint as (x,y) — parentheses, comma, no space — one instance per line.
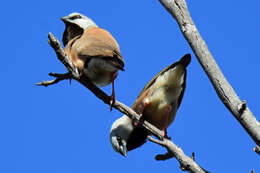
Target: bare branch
(55,44)
(178,9)
(173,151)
(179,154)
(186,163)
(59,77)
(156,141)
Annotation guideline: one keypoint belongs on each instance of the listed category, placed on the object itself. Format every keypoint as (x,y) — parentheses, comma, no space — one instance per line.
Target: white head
(78,19)
(119,134)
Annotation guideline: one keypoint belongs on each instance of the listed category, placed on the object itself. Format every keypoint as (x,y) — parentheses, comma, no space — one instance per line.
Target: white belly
(100,72)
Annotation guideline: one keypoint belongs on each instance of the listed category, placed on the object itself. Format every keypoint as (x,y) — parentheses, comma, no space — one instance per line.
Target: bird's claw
(165,135)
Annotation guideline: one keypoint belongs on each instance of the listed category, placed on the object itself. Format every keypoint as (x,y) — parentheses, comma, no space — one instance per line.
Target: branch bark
(179,11)
(187,163)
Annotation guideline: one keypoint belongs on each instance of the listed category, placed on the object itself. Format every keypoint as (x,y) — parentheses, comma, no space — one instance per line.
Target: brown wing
(70,53)
(68,47)
(138,105)
(98,43)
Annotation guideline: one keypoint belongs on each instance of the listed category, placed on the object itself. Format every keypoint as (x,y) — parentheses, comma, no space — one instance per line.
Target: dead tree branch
(179,11)
(59,77)
(187,163)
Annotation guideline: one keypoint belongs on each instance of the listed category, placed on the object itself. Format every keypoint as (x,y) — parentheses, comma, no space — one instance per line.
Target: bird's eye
(119,139)
(75,17)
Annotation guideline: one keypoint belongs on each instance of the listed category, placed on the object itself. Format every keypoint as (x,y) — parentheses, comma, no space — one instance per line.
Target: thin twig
(59,77)
(163,157)
(193,156)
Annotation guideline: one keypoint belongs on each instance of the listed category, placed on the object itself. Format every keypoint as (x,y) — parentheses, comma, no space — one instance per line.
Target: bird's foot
(112,97)
(165,135)
(140,122)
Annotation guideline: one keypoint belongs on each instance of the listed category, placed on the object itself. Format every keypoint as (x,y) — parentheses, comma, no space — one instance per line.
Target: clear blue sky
(64,128)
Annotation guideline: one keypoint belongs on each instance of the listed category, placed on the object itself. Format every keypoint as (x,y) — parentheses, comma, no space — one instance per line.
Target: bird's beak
(65,19)
(123,150)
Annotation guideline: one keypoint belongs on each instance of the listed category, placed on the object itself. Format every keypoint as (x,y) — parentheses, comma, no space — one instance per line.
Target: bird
(95,52)
(157,103)
(75,24)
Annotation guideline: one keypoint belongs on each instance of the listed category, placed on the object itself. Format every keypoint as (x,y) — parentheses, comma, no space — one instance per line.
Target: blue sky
(64,128)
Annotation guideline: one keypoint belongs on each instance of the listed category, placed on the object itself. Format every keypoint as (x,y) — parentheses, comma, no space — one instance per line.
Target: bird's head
(119,134)
(78,19)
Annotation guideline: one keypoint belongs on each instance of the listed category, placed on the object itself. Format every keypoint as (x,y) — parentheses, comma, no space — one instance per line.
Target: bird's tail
(185,60)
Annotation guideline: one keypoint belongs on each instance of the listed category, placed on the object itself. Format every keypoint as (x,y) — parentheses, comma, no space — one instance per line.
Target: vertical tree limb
(178,9)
